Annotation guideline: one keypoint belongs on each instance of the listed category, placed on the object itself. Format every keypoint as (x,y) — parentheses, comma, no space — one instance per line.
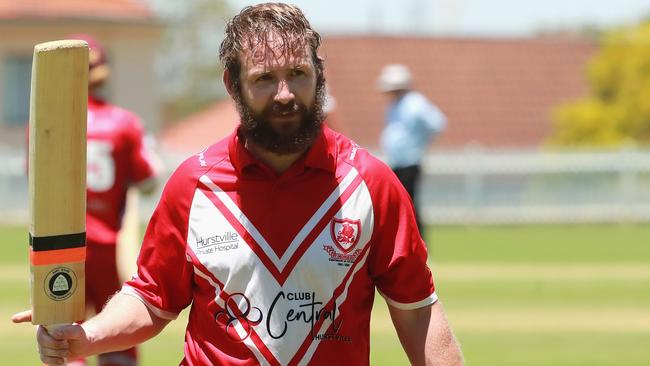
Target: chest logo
(345,233)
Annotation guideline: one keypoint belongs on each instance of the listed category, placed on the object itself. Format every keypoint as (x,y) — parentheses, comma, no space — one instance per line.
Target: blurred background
(536,196)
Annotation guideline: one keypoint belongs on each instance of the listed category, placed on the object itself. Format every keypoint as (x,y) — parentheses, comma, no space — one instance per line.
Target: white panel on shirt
(319,271)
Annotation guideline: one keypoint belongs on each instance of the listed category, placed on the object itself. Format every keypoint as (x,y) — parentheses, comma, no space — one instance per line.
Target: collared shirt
(411,122)
(281,269)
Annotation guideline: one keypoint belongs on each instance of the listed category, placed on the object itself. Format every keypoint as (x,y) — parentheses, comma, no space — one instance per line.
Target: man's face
(278,101)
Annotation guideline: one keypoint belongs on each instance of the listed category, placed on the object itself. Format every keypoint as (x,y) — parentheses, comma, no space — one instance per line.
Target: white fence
(477,186)
(473,186)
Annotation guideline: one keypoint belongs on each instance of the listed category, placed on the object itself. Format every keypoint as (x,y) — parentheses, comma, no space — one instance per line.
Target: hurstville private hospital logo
(217,243)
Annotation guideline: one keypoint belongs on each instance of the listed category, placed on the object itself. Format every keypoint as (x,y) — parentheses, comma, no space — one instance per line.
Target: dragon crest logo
(345,233)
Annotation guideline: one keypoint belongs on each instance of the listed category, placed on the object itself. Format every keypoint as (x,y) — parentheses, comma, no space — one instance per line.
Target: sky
(464,17)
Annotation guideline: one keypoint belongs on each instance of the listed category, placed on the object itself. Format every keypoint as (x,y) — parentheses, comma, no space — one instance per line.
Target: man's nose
(284,94)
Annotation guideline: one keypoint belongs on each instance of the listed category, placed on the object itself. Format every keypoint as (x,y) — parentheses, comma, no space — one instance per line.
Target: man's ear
(227,82)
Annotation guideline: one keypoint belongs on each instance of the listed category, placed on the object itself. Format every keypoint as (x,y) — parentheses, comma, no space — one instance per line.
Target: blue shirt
(411,122)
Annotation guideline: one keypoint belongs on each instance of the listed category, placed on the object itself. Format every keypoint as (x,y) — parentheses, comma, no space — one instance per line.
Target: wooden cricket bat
(57,182)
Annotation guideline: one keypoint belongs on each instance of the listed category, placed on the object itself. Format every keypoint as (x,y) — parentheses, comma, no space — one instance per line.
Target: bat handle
(50,329)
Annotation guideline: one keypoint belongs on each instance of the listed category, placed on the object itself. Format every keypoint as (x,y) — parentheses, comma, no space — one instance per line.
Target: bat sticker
(60,283)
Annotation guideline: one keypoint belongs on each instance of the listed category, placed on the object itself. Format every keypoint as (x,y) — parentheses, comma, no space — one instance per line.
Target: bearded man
(278,235)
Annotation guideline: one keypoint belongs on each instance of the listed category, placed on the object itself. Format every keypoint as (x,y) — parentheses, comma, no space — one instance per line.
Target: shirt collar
(321,155)
(239,156)
(323,152)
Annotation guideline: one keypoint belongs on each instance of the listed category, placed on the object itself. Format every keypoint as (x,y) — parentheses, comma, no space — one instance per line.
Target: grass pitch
(515,295)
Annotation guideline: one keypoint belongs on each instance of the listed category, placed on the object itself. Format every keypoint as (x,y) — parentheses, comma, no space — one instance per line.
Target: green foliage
(617,109)
(188,63)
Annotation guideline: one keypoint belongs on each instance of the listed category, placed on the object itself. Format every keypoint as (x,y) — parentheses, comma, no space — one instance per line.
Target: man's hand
(62,341)
(124,322)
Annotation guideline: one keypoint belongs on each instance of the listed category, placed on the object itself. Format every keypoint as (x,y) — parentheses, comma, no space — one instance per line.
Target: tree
(188,64)
(617,109)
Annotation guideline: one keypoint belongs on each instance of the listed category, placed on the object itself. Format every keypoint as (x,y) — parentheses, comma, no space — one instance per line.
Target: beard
(258,129)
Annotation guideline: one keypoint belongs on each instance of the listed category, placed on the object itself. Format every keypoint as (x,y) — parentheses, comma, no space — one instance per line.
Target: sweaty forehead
(272,52)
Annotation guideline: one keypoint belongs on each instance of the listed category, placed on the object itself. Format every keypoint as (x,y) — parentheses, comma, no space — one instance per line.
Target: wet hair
(281,29)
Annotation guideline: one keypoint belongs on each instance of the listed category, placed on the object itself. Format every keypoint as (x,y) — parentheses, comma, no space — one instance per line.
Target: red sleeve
(164,277)
(141,163)
(398,257)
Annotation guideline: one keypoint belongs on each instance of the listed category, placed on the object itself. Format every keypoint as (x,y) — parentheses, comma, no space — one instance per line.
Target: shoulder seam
(203,164)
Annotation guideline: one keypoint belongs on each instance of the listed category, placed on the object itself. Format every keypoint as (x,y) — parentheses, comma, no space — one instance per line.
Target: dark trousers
(410,176)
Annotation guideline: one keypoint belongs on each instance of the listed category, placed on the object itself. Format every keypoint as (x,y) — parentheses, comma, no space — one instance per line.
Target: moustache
(279,108)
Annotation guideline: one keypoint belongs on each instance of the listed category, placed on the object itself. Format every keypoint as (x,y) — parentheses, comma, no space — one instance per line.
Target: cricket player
(278,235)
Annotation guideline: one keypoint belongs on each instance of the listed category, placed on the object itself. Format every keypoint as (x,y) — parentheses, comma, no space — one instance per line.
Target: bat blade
(57,181)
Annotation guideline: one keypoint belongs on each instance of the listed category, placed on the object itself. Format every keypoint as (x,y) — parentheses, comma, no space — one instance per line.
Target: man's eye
(297,72)
(264,77)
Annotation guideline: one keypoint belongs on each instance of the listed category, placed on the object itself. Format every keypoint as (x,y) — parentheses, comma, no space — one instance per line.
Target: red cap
(96,58)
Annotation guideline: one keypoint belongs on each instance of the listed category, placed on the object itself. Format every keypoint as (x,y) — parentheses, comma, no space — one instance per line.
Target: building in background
(127,28)
(496,92)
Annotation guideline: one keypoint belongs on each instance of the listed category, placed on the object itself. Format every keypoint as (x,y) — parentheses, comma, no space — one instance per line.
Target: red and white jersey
(281,269)
(117,157)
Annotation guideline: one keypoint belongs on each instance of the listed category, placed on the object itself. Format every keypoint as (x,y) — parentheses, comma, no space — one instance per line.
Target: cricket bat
(57,182)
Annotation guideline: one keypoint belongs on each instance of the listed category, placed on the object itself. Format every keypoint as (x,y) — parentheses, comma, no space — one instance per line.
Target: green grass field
(520,295)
